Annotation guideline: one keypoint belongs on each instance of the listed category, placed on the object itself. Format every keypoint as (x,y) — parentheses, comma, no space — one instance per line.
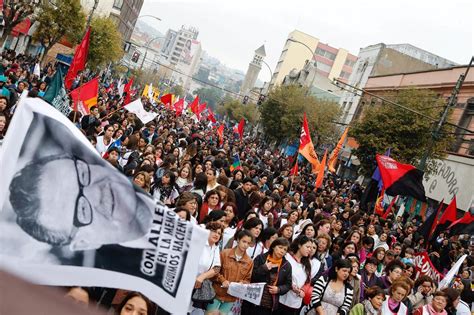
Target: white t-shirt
(210,258)
(298,276)
(264,219)
(101,146)
(228,234)
(255,250)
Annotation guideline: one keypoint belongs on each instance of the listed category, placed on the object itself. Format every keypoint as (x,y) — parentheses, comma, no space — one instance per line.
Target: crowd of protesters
(318,250)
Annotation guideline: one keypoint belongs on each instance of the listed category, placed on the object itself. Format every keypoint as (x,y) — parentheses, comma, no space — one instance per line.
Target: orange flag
(306,148)
(85,96)
(220,133)
(333,159)
(319,179)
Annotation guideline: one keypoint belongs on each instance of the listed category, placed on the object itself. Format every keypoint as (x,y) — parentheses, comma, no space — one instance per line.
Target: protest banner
(424,266)
(69,218)
(136,107)
(251,292)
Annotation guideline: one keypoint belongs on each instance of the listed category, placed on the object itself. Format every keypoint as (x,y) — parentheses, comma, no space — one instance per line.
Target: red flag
(201,108)
(179,106)
(110,88)
(400,179)
(167,99)
(320,177)
(211,116)
(240,128)
(464,225)
(195,105)
(85,96)
(79,61)
(447,218)
(220,133)
(127,89)
(306,148)
(294,170)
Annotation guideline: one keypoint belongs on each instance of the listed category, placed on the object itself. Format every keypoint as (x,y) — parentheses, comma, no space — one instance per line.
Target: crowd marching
(318,250)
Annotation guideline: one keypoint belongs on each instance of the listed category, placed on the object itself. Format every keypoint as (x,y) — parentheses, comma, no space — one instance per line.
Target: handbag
(205,294)
(308,290)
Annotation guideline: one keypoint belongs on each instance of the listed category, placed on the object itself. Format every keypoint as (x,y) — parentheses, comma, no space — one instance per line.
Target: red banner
(424,266)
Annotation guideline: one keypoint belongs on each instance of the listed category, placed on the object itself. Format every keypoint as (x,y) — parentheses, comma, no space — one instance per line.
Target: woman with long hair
(393,271)
(367,275)
(134,303)
(236,266)
(298,257)
(200,185)
(255,226)
(267,236)
(210,203)
(184,180)
(379,254)
(333,295)
(230,210)
(354,279)
(142,180)
(264,211)
(372,305)
(165,189)
(273,269)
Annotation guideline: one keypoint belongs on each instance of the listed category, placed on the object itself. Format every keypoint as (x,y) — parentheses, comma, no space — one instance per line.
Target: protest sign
(69,218)
(424,266)
(251,292)
(136,107)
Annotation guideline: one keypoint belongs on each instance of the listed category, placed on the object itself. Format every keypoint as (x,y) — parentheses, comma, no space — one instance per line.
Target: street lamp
(313,54)
(147,45)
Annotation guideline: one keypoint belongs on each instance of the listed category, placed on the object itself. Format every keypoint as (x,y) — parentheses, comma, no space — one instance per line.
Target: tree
(234,109)
(177,90)
(406,134)
(209,95)
(282,115)
(106,42)
(65,19)
(15,12)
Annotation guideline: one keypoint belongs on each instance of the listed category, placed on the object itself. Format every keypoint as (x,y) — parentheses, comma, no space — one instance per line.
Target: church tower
(253,71)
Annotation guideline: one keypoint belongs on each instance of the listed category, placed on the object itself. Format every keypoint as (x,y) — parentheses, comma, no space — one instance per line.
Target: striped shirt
(318,292)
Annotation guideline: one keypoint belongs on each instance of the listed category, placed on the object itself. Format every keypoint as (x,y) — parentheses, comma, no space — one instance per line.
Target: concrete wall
(453,177)
(391,61)
(293,55)
(338,64)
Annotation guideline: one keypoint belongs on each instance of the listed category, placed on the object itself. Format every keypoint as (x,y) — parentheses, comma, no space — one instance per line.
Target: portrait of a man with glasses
(67,195)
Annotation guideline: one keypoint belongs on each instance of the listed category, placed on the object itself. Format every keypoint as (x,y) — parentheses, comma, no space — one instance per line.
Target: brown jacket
(232,271)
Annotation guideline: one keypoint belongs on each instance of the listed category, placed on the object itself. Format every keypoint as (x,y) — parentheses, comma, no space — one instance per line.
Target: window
(349,63)
(118,4)
(325,54)
(344,75)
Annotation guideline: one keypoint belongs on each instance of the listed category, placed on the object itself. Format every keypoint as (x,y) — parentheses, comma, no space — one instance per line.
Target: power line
(393,103)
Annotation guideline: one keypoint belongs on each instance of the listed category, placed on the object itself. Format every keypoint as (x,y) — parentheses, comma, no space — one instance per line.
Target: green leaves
(408,135)
(282,115)
(65,19)
(235,110)
(106,42)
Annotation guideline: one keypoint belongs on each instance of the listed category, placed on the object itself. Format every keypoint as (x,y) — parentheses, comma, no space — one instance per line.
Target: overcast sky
(231,30)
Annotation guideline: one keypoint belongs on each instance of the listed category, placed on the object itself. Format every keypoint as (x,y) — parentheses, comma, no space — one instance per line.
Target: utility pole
(89,18)
(435,135)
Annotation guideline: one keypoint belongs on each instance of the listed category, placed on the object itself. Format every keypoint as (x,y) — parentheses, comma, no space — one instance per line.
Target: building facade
(182,51)
(252,72)
(442,82)
(381,59)
(330,62)
(124,12)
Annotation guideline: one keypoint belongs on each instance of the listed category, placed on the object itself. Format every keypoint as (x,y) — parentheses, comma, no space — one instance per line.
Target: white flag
(37,71)
(136,107)
(451,273)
